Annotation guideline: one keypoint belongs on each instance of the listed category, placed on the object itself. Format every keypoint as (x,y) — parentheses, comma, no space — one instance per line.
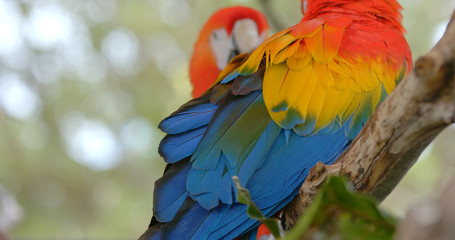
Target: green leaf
(243,195)
(337,213)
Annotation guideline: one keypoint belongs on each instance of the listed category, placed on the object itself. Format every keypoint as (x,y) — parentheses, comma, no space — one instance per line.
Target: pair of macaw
(300,97)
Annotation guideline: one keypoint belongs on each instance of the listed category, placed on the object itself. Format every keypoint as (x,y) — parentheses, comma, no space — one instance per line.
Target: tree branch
(421,106)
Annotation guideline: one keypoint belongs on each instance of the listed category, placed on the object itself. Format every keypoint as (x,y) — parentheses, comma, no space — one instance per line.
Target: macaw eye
(215,37)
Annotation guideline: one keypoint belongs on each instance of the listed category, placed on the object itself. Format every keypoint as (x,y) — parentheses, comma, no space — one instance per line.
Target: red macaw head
(228,32)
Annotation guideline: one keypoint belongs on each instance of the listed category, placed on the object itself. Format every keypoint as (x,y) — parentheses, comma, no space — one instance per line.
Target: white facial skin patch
(244,38)
(222,45)
(246,35)
(304,6)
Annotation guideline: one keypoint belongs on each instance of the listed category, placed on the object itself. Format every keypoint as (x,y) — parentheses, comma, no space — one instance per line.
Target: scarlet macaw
(228,32)
(299,98)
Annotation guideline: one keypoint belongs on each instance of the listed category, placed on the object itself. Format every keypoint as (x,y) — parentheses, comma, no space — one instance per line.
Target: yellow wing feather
(308,85)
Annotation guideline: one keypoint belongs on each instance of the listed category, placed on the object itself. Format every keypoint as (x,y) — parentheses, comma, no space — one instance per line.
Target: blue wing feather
(256,157)
(230,77)
(200,182)
(271,163)
(209,149)
(175,147)
(188,220)
(170,191)
(191,118)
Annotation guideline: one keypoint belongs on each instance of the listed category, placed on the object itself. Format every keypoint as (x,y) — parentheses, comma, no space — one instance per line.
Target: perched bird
(228,33)
(299,98)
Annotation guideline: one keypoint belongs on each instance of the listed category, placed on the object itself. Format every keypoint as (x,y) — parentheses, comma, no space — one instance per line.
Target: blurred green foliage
(338,213)
(83,85)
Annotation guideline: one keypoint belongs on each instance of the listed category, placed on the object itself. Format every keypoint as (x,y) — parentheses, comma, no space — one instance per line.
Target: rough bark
(421,106)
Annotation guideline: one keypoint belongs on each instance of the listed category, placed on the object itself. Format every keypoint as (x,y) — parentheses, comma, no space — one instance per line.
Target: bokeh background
(83,85)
